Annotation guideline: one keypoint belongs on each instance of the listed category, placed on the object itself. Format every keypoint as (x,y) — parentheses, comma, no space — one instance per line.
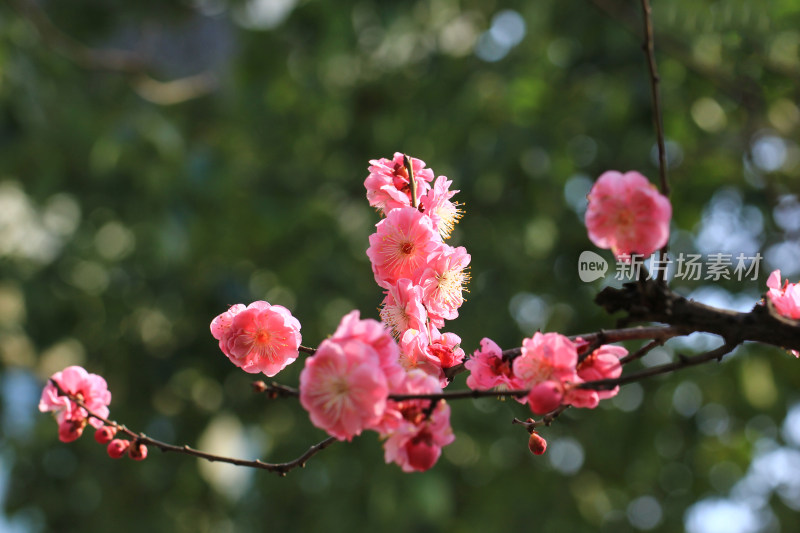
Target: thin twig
(648,48)
(411,180)
(682,362)
(460,394)
(641,352)
(275,390)
(531,424)
(608,336)
(279,468)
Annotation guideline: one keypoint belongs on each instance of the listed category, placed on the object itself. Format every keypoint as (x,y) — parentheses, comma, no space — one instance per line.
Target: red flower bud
(71,430)
(117,448)
(104,434)
(137,451)
(537,444)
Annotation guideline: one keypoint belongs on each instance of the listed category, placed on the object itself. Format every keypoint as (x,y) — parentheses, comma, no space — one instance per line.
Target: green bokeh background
(127,224)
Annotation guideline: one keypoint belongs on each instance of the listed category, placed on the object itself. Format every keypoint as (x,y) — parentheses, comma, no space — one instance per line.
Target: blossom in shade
(414,353)
(432,354)
(437,205)
(258,338)
(627,214)
(547,367)
(603,363)
(401,246)
(418,433)
(91,389)
(488,369)
(785,297)
(443,282)
(446,348)
(388,184)
(137,451)
(375,334)
(402,308)
(343,388)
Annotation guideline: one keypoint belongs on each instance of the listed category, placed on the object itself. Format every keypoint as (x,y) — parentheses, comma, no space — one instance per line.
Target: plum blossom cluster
(423,277)
(348,385)
(549,368)
(388,376)
(92,391)
(346,389)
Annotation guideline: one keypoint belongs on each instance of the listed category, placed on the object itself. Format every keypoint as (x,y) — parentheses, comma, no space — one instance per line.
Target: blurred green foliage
(127,225)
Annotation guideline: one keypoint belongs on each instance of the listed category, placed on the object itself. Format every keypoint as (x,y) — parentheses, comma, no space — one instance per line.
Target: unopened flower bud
(104,434)
(537,444)
(137,451)
(71,430)
(117,448)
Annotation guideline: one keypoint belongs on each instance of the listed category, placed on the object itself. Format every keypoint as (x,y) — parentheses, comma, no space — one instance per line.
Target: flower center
(625,218)
(450,285)
(500,367)
(263,336)
(395,318)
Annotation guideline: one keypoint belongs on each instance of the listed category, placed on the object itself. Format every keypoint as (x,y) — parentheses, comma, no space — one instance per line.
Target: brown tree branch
(649,301)
(279,468)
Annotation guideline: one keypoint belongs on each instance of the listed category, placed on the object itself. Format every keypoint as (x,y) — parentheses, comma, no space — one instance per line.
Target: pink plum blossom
(416,440)
(343,388)
(437,205)
(402,308)
(785,297)
(627,214)
(374,334)
(414,353)
(446,348)
(490,370)
(90,388)
(258,338)
(402,245)
(603,363)
(547,367)
(443,282)
(432,354)
(388,184)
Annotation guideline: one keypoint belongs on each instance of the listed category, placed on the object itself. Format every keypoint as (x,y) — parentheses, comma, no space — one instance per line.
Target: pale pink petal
(774,280)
